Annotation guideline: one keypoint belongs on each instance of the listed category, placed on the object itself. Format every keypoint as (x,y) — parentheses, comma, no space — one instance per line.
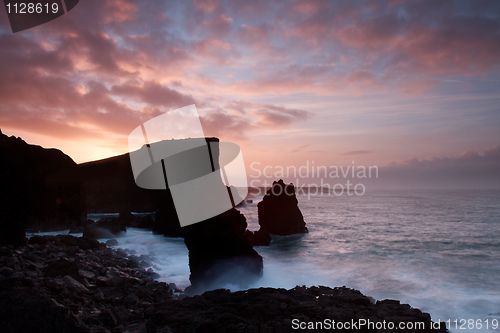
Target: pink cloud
(492,152)
(225,126)
(206,6)
(467,158)
(219,26)
(368,33)
(271,116)
(319,80)
(236,119)
(120,10)
(356,152)
(256,36)
(467,170)
(309,7)
(424,41)
(215,50)
(250,11)
(153,93)
(463,46)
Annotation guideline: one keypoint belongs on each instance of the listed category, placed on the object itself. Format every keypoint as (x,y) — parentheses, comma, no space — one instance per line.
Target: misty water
(438,251)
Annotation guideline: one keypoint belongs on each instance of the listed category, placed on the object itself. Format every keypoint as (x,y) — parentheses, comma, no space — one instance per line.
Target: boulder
(111,242)
(128,219)
(105,228)
(279,213)
(83,243)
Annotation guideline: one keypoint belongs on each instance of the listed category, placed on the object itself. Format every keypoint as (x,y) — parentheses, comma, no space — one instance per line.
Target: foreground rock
(280,310)
(220,254)
(70,284)
(66,283)
(36,190)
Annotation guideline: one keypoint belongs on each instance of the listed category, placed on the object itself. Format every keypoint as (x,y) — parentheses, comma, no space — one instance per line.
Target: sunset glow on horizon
(388,83)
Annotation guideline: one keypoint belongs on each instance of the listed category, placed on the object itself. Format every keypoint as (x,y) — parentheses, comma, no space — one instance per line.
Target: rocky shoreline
(77,284)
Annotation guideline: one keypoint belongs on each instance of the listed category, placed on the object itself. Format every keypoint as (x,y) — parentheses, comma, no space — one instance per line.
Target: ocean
(438,251)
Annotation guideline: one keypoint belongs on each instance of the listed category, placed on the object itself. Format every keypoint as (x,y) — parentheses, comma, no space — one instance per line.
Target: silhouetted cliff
(36,190)
(110,187)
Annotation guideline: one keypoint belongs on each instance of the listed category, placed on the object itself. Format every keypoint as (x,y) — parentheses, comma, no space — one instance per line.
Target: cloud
(219,26)
(153,93)
(236,119)
(299,148)
(357,152)
(255,41)
(215,51)
(121,11)
(271,116)
(225,126)
(406,44)
(490,156)
(308,7)
(206,6)
(467,170)
(316,47)
(255,36)
(250,11)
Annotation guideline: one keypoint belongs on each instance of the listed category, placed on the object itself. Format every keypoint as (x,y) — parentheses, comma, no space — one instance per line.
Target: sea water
(438,251)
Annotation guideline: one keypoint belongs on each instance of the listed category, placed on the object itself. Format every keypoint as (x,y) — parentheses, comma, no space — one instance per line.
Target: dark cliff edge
(110,188)
(36,190)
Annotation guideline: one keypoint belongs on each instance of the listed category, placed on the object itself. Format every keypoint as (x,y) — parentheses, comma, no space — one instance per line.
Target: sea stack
(220,254)
(279,213)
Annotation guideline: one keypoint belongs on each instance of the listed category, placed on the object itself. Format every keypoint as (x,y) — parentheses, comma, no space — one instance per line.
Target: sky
(412,87)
